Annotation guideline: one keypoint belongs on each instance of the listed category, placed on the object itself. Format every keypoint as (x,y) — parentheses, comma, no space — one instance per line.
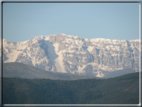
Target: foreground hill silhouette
(119,90)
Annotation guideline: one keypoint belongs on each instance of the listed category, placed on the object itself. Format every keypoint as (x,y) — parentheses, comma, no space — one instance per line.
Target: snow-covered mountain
(73,54)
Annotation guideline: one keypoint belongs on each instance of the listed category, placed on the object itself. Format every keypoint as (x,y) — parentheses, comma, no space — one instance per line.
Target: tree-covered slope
(119,90)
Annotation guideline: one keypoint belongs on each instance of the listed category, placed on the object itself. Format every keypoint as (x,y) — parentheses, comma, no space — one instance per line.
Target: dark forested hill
(119,90)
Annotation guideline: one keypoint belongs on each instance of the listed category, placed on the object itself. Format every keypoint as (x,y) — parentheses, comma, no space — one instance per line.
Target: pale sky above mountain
(24,21)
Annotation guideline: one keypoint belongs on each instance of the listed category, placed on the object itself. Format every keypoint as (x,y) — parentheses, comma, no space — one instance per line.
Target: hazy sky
(24,21)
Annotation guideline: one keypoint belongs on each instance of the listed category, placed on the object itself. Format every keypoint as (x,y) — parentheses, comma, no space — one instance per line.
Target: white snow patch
(70,62)
(13,56)
(100,74)
(47,38)
(59,63)
(51,52)
(137,40)
(90,48)
(76,37)
(24,42)
(62,33)
(80,68)
(86,39)
(16,50)
(99,39)
(59,60)
(35,61)
(56,47)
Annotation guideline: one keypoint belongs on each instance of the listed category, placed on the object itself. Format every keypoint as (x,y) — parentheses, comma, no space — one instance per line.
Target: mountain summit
(72,54)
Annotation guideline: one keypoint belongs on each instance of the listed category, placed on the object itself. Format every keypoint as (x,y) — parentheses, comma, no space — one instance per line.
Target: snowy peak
(72,54)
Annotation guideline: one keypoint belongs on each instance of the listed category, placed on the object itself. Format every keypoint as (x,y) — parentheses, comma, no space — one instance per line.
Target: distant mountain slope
(72,54)
(20,70)
(15,69)
(119,90)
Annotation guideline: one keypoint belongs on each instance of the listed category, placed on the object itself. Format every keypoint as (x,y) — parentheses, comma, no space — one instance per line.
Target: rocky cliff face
(72,54)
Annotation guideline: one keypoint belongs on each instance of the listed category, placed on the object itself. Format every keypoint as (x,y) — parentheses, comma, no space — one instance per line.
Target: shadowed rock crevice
(49,50)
